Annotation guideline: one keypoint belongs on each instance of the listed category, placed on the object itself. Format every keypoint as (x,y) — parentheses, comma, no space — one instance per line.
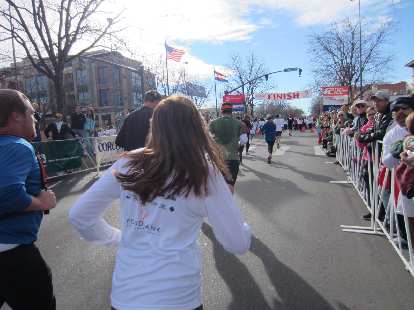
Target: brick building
(106,81)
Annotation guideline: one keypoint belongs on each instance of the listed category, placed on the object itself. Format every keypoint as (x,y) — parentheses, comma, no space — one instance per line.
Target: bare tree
(278,107)
(335,54)
(175,77)
(245,70)
(48,30)
(316,105)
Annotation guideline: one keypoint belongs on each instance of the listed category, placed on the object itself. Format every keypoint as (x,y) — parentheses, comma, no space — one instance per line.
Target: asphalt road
(299,259)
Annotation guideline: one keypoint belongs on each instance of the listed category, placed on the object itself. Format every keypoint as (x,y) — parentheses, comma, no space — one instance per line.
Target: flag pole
(215,90)
(166,66)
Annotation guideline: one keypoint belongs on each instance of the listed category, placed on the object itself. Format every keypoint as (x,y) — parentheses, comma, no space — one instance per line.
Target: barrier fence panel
(65,157)
(377,187)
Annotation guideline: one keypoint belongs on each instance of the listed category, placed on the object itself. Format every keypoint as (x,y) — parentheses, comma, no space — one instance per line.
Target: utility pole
(360,50)
(13,49)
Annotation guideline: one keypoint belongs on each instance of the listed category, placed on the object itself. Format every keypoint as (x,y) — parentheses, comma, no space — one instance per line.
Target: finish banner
(60,155)
(294,95)
(106,150)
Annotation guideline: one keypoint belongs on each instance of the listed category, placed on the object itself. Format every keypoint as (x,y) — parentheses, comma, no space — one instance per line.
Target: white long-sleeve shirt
(158,264)
(393,135)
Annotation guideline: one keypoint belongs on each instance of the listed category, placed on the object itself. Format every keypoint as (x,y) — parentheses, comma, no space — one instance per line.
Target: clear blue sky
(283,42)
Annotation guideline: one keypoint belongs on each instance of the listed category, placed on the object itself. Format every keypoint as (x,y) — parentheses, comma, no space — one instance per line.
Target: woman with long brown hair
(166,189)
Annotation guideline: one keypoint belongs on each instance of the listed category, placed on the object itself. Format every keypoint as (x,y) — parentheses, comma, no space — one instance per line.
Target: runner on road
(226,131)
(165,194)
(269,131)
(279,122)
(290,124)
(25,277)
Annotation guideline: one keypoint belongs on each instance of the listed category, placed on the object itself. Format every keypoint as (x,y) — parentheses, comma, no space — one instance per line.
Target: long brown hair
(177,156)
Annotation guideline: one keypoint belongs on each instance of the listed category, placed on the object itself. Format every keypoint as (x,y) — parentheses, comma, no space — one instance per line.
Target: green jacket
(226,131)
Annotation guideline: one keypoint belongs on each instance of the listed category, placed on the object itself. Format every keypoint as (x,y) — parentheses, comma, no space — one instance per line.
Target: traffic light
(300,72)
(267,77)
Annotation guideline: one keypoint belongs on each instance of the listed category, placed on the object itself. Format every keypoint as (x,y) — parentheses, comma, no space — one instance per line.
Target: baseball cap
(403,102)
(226,107)
(360,103)
(381,95)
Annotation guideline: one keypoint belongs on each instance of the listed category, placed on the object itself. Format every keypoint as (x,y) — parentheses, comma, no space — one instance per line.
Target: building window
(84,98)
(116,76)
(103,97)
(117,100)
(136,88)
(103,75)
(82,77)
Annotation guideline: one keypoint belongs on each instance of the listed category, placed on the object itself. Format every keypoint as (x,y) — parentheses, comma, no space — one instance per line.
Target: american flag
(219,76)
(174,53)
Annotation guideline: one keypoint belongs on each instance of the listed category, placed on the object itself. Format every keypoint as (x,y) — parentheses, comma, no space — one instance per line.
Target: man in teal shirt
(226,131)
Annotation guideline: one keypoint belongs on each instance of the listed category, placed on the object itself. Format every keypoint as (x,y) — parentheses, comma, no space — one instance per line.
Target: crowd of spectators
(78,124)
(385,126)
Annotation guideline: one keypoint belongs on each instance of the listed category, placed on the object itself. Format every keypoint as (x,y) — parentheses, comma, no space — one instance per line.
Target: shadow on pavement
(307,175)
(282,188)
(244,289)
(294,292)
(67,185)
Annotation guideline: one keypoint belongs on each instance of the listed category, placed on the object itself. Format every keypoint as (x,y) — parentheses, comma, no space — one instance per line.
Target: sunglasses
(360,106)
(396,109)
(371,114)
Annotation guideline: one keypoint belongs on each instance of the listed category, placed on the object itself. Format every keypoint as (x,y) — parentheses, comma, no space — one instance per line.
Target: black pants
(26,280)
(270,145)
(233,166)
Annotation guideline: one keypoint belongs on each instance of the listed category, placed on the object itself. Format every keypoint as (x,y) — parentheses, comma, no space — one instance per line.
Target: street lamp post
(266,76)
(360,49)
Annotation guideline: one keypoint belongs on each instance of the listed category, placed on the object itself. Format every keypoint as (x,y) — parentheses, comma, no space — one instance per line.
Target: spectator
(405,180)
(392,148)
(59,129)
(90,124)
(383,120)
(360,118)
(77,122)
(134,130)
(38,118)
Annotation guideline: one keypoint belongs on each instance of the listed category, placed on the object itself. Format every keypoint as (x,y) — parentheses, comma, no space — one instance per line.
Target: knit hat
(226,107)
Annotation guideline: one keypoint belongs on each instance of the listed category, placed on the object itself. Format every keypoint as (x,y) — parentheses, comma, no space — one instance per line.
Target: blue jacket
(19,180)
(269,131)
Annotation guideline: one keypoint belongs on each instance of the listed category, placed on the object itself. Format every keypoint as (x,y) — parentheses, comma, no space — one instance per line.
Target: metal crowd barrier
(375,198)
(67,157)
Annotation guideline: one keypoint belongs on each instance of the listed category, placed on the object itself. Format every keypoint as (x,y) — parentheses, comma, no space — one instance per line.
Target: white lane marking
(318,150)
(54,184)
(340,182)
(281,151)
